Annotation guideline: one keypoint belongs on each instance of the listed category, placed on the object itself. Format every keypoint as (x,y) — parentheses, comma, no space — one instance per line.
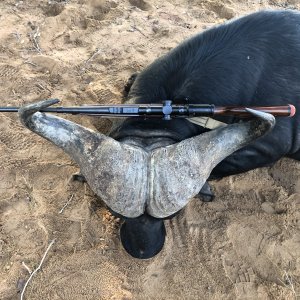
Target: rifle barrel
(162,110)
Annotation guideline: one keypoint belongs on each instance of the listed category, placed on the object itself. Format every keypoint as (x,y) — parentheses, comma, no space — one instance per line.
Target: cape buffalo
(147,170)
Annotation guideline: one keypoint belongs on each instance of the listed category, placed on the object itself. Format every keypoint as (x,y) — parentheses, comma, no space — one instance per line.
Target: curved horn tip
(34,107)
(27,110)
(263,116)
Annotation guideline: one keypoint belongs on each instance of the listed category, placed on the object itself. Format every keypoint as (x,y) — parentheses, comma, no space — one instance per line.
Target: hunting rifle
(166,110)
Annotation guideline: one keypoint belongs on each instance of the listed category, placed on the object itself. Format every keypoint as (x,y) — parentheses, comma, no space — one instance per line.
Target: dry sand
(244,245)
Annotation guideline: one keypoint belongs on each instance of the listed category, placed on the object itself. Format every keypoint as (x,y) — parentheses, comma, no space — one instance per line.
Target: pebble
(268,207)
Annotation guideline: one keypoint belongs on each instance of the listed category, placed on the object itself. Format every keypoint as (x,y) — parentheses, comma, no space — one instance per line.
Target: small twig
(26,267)
(58,36)
(137,29)
(34,36)
(39,85)
(37,269)
(26,182)
(70,199)
(85,64)
(17,35)
(30,63)
(289,283)
(96,52)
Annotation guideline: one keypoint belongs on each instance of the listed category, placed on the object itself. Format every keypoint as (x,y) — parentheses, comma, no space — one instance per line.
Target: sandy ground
(244,245)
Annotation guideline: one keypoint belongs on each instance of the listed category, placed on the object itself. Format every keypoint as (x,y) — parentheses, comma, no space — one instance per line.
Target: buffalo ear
(179,171)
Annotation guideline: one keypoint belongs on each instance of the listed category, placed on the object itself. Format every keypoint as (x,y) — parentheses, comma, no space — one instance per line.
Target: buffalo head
(143,186)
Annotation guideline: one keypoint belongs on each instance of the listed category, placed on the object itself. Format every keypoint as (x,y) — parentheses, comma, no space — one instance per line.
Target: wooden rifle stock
(278,111)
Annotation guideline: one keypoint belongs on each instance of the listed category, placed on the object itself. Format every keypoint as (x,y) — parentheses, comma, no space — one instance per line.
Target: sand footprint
(156,277)
(221,10)
(260,246)
(12,135)
(8,71)
(242,276)
(194,232)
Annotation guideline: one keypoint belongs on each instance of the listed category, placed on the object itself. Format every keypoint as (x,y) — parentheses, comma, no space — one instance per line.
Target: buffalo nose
(143,237)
